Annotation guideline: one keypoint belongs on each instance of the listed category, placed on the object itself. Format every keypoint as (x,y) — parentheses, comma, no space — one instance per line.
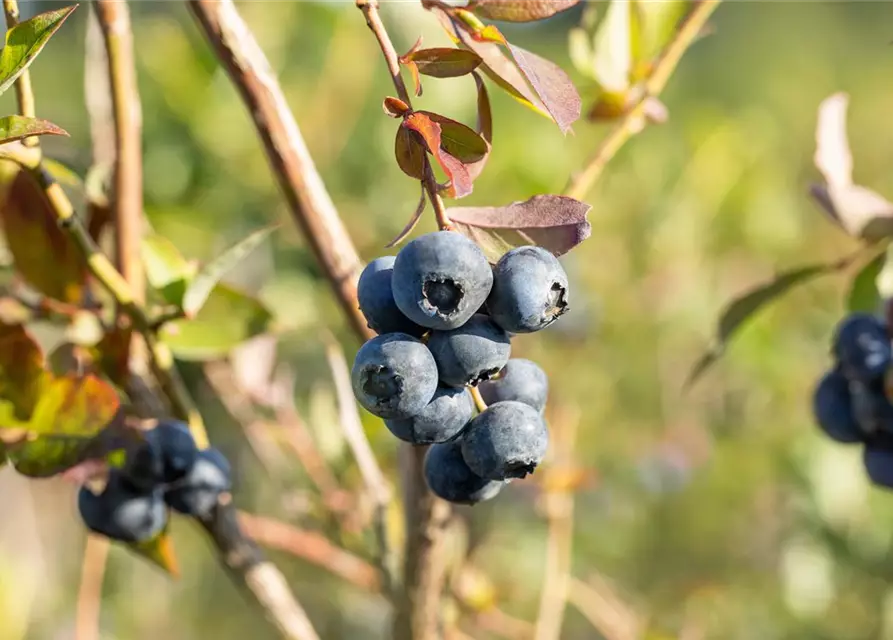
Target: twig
(583,181)
(374,479)
(309,202)
(312,547)
(90,592)
(559,504)
(418,613)
(24,92)
(610,616)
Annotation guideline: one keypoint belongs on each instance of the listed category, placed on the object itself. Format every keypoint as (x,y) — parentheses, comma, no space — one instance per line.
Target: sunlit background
(720,513)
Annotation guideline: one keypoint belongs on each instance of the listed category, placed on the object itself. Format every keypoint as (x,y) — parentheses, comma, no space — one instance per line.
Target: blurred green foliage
(718,514)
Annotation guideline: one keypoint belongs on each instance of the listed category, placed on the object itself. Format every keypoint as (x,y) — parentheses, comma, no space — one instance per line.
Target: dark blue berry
(122,512)
(508,440)
(377,300)
(520,380)
(197,493)
(879,465)
(833,408)
(166,455)
(440,279)
(529,290)
(444,417)
(394,376)
(862,347)
(474,352)
(449,477)
(871,409)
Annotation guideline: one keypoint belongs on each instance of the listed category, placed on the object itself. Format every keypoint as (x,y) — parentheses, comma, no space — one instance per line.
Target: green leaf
(25,40)
(34,236)
(228,318)
(444,62)
(71,412)
(62,173)
(209,275)
(864,295)
(166,268)
(612,50)
(740,310)
(19,127)
(22,374)
(460,141)
(653,26)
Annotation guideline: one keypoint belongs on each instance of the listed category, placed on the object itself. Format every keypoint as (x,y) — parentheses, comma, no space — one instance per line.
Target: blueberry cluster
(851,402)
(166,470)
(444,317)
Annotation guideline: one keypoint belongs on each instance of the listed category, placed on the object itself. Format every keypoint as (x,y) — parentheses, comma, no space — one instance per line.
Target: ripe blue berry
(833,408)
(122,512)
(871,409)
(165,456)
(520,380)
(529,290)
(440,279)
(394,376)
(508,440)
(444,417)
(470,354)
(377,300)
(879,465)
(449,477)
(197,493)
(862,347)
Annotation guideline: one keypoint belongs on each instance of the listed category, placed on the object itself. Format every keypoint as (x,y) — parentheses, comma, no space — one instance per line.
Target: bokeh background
(718,513)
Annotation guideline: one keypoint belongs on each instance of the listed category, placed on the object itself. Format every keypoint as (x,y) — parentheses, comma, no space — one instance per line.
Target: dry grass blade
(413,221)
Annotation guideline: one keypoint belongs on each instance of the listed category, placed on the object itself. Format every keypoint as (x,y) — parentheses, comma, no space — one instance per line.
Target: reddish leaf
(459,140)
(21,370)
(460,180)
(410,153)
(556,223)
(553,86)
(413,221)
(495,64)
(112,355)
(484,127)
(520,10)
(395,107)
(444,62)
(412,66)
(19,127)
(33,235)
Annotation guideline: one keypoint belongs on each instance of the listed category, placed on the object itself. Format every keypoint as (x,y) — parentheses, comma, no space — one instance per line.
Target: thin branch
(418,613)
(90,591)
(607,613)
(583,181)
(24,92)
(309,202)
(312,547)
(376,484)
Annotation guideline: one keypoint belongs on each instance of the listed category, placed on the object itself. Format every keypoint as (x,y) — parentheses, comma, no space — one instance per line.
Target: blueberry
(879,465)
(529,290)
(394,376)
(122,512)
(871,409)
(508,440)
(833,408)
(520,380)
(440,279)
(377,300)
(166,455)
(862,347)
(449,477)
(470,354)
(198,492)
(444,417)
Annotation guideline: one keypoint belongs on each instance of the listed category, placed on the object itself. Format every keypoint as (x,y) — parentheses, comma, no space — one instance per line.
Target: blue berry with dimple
(449,477)
(508,440)
(862,347)
(441,279)
(394,376)
(197,493)
(376,300)
(123,512)
(166,455)
(832,407)
(530,290)
(521,380)
(474,352)
(443,419)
